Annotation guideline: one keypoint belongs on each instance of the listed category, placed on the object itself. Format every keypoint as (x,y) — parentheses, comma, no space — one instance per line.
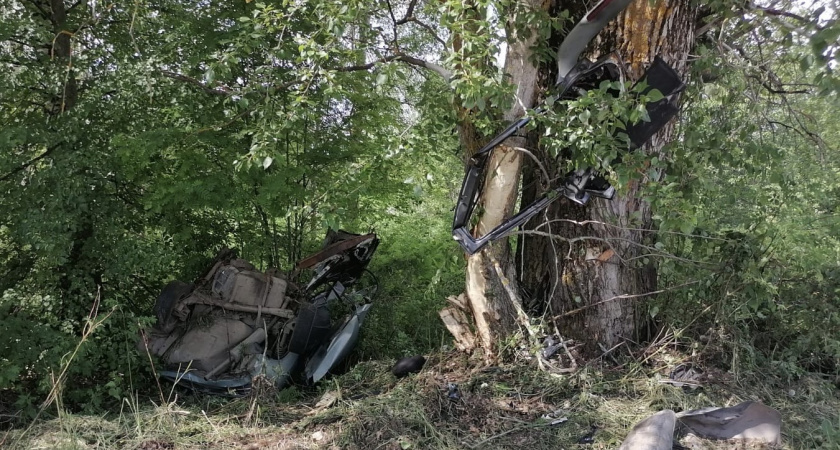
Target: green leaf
(654,95)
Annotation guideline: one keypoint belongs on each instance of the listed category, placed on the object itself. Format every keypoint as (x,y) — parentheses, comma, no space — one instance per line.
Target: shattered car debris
(236,322)
(746,423)
(574,77)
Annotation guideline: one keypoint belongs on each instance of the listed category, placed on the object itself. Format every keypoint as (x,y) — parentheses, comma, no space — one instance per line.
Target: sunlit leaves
(246,124)
(588,131)
(747,189)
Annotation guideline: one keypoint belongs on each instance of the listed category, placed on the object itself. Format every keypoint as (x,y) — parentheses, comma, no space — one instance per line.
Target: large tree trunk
(594,279)
(585,284)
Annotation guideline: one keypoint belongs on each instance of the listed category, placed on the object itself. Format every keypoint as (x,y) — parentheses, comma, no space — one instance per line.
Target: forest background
(139,138)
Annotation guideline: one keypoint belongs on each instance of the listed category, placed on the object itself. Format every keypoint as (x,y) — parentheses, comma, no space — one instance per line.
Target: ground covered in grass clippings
(454,403)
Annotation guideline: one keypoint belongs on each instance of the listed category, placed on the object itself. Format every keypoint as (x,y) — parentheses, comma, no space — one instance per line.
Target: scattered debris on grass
(511,406)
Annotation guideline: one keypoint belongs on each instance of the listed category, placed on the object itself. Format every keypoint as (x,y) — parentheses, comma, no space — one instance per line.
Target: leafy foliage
(749,200)
(138,139)
(190,127)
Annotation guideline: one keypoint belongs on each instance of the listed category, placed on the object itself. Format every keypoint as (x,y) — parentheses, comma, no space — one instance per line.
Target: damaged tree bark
(492,310)
(596,262)
(458,324)
(596,268)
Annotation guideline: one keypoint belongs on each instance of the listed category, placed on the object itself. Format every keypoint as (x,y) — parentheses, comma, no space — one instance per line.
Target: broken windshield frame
(580,184)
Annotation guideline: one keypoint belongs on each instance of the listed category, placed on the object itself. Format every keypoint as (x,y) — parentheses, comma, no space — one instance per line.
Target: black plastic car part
(343,259)
(580,184)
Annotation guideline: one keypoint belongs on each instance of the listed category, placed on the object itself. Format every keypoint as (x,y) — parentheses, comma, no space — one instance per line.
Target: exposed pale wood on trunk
(458,324)
(492,310)
(560,277)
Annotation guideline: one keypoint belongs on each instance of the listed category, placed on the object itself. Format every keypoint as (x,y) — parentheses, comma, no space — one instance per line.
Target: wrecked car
(234,323)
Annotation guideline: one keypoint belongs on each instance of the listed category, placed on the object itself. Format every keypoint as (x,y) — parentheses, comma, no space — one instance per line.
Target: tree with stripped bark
(575,264)
(589,269)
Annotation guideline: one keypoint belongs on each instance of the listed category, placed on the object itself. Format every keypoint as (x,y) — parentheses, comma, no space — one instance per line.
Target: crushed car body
(235,323)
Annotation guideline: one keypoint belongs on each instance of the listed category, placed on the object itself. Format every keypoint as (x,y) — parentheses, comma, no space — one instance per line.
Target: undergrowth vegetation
(417,268)
(749,225)
(201,126)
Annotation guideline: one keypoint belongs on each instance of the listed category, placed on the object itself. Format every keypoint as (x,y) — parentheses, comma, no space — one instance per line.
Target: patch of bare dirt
(155,445)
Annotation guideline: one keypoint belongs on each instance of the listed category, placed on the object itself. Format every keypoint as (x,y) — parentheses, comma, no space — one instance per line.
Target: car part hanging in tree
(578,185)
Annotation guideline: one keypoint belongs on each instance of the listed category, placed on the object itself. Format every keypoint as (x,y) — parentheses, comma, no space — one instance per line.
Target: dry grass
(498,408)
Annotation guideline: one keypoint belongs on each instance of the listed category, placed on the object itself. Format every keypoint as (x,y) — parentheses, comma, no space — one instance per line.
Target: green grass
(500,407)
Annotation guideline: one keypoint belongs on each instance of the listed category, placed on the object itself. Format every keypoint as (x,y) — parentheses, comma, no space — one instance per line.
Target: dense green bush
(747,215)
(417,270)
(256,125)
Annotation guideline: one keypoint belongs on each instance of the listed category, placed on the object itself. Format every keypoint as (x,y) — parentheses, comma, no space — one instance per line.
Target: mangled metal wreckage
(575,76)
(234,323)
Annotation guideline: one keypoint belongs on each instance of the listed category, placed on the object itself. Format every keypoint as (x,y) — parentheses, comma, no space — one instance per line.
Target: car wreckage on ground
(235,323)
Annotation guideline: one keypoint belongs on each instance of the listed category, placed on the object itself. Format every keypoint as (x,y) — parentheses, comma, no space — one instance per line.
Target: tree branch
(773,90)
(37,5)
(778,12)
(702,30)
(224,91)
(609,241)
(409,17)
(25,44)
(396,42)
(515,298)
(621,297)
(220,91)
(429,29)
(74,5)
(618,227)
(370,65)
(17,63)
(409,14)
(440,70)
(23,166)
